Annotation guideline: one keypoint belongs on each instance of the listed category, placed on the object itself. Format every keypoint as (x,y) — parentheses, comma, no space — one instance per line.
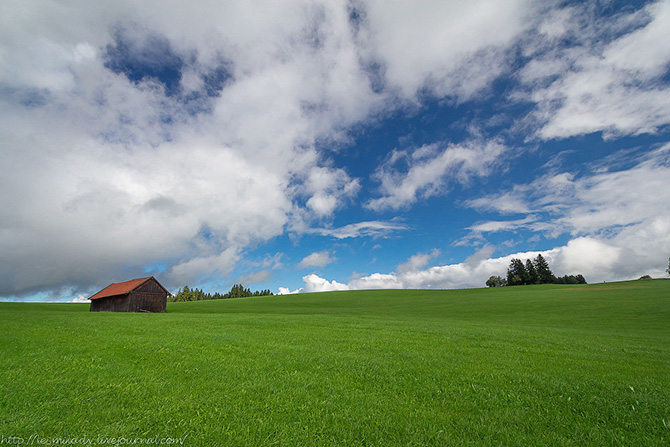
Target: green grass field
(533,365)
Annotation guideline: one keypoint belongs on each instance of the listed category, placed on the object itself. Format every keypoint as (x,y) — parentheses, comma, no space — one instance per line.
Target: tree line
(237,291)
(535,271)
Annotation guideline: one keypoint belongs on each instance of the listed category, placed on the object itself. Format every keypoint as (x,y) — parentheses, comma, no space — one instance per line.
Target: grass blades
(534,365)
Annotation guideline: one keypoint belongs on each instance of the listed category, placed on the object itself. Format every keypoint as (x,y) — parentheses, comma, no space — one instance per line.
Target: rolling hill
(533,365)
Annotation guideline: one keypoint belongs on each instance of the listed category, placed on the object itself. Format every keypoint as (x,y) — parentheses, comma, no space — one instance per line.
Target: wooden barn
(137,295)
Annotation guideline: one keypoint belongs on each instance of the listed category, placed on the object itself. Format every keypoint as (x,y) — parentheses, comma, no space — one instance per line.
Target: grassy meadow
(533,365)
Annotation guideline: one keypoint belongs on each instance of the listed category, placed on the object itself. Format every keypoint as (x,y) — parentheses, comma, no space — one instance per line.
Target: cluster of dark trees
(534,271)
(237,291)
(571,279)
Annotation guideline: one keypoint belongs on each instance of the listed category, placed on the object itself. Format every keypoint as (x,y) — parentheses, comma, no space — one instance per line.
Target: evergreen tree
(544,273)
(516,273)
(570,279)
(237,291)
(532,273)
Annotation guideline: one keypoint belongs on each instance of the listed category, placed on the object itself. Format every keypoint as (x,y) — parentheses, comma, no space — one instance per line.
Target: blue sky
(306,146)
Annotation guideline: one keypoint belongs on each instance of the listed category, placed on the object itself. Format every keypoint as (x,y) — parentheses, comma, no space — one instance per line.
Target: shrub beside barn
(137,295)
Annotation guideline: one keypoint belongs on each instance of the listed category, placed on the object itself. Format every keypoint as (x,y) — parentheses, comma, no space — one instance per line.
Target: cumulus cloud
(376,281)
(431,169)
(317,259)
(618,220)
(608,79)
(287,291)
(462,275)
(597,259)
(463,44)
(618,217)
(157,139)
(314,283)
(135,134)
(417,262)
(327,188)
(81,299)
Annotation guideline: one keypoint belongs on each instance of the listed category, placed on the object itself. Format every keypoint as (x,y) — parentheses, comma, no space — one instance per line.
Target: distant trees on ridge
(536,271)
(237,291)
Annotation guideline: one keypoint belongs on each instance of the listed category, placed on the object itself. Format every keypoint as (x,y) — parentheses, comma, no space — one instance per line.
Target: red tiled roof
(120,288)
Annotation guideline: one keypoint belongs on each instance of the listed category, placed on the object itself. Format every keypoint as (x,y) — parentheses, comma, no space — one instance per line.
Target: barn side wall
(117,303)
(147,302)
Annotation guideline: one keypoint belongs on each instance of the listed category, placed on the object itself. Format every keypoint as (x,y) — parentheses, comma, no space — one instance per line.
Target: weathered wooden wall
(119,303)
(149,297)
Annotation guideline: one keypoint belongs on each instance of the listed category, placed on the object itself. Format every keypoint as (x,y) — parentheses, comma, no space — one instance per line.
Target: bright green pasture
(534,365)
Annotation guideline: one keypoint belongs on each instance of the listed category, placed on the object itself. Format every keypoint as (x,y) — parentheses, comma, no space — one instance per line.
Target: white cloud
(108,173)
(594,256)
(480,255)
(359,229)
(510,202)
(327,188)
(317,259)
(619,222)
(81,299)
(314,283)
(262,276)
(377,281)
(431,169)
(597,259)
(197,267)
(105,171)
(109,170)
(417,262)
(287,291)
(448,276)
(602,83)
(646,50)
(500,225)
(593,202)
(462,48)
(618,218)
